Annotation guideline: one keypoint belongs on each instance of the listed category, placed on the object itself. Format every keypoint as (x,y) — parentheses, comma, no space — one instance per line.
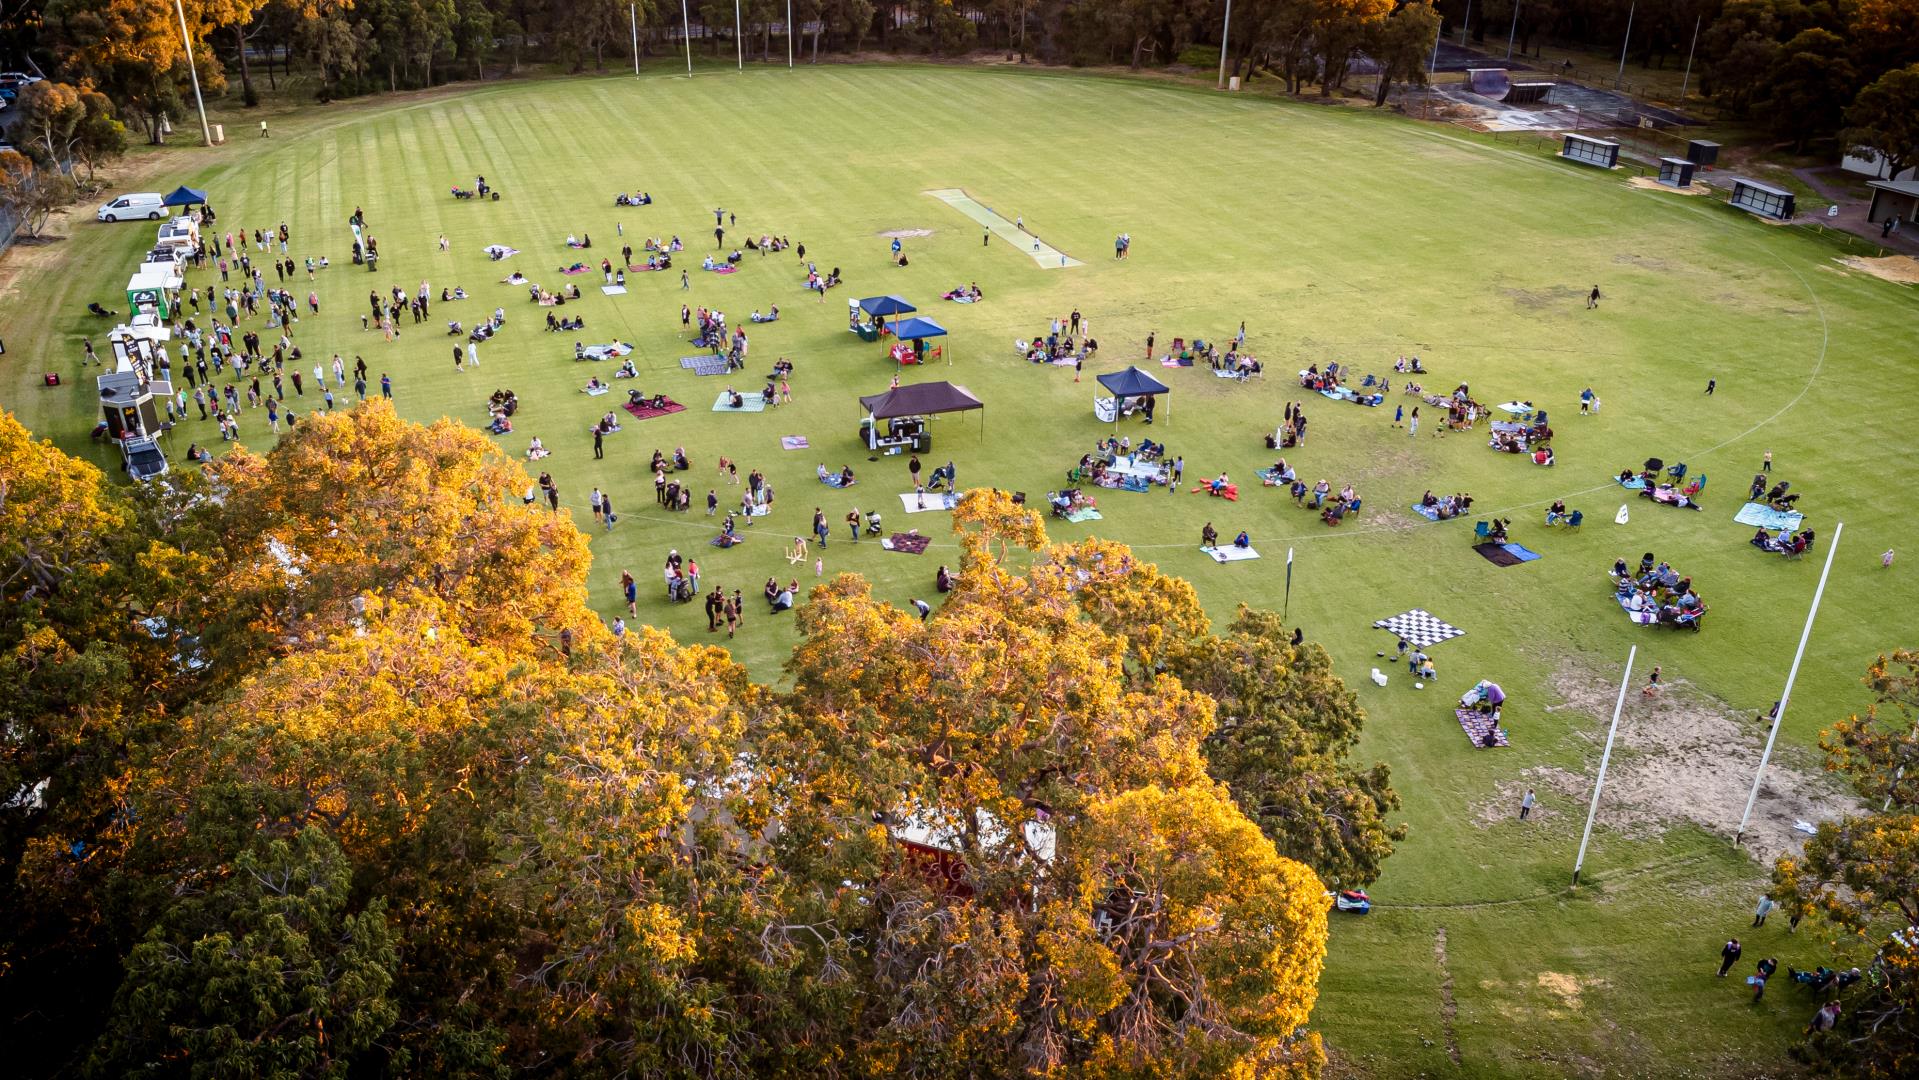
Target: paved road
(1852,212)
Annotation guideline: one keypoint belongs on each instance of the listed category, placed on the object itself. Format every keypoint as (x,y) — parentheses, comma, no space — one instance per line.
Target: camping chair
(1575,519)
(1698,483)
(1481,532)
(1677,471)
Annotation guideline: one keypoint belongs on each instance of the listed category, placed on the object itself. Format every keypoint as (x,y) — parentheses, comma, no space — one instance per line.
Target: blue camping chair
(1481,532)
(1677,470)
(1575,519)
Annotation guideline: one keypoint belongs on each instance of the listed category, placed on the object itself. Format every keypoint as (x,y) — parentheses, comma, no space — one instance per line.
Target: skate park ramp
(1491,83)
(1046,255)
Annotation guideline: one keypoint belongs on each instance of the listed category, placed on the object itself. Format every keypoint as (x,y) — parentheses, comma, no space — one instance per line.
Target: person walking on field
(1149,344)
(1728,956)
(1592,298)
(1412,423)
(1526,804)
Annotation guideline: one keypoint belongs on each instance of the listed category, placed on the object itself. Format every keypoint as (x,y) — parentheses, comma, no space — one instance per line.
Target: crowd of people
(1653,592)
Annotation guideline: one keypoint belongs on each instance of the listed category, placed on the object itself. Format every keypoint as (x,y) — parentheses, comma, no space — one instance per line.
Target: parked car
(150,205)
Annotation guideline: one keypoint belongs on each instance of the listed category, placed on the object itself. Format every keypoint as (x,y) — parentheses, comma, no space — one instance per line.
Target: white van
(150,205)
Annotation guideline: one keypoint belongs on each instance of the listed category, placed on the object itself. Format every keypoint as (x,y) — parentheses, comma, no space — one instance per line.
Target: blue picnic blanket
(1761,516)
(1635,484)
(1521,553)
(1430,513)
(1271,476)
(1643,618)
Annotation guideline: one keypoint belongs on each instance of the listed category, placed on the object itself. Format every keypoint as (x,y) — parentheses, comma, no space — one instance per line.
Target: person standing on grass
(606,508)
(473,353)
(684,283)
(459,358)
(1764,909)
(1149,344)
(553,496)
(1526,804)
(1592,298)
(599,445)
(1652,690)
(593,503)
(1412,423)
(1728,956)
(1399,414)
(925,609)
(386,386)
(1711,385)
(1079,365)
(631,589)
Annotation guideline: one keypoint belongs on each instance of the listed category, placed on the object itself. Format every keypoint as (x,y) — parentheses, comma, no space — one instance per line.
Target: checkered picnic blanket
(1477,724)
(1420,628)
(704,365)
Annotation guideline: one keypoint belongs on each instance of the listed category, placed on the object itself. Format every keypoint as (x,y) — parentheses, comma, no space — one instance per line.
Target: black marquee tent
(1131,382)
(921,399)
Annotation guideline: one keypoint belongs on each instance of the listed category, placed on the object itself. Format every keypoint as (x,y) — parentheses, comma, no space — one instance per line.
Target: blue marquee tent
(916,329)
(1132,382)
(882,306)
(185,196)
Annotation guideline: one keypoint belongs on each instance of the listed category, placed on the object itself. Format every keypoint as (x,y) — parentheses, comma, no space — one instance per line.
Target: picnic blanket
(1497,554)
(613,290)
(1175,361)
(1222,373)
(748,403)
(594,391)
(605,352)
(1430,513)
(641,268)
(832,479)
(648,412)
(911,543)
(1271,477)
(1761,516)
(1084,513)
(500,251)
(1507,427)
(704,365)
(1226,553)
(933,501)
(793,442)
(721,541)
(1119,482)
(1419,628)
(1643,618)
(1635,484)
(576,268)
(722,269)
(1519,551)
(1126,466)
(1517,408)
(1477,725)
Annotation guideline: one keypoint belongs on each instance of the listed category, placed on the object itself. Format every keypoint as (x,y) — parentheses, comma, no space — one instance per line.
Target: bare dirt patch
(1552,297)
(1901,269)
(1647,183)
(905,234)
(1685,757)
(1448,1008)
(1503,806)
(1568,988)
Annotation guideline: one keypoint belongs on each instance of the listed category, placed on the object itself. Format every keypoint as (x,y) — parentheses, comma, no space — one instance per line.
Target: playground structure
(1495,84)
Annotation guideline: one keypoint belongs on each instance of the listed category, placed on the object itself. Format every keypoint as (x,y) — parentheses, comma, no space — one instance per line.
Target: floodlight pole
(739,42)
(1605,758)
(633,12)
(1687,81)
(1779,714)
(1225,29)
(686,36)
(789,35)
(1513,33)
(1466,27)
(193,70)
(1620,79)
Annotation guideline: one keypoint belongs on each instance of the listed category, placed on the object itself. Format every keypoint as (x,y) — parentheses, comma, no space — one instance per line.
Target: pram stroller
(1352,902)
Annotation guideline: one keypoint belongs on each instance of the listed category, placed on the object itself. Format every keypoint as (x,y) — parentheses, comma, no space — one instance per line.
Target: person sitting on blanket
(774,316)
(734,399)
(846,476)
(500,425)
(734,258)
(1497,533)
(781,367)
(1242,541)
(607,425)
(515,278)
(767,394)
(454,329)
(1334,513)
(536,450)
(627,371)
(1062,503)
(708,263)
(1543,456)
(680,460)
(593,385)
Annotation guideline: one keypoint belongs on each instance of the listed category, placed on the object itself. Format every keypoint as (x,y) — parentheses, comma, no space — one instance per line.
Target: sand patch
(1568,988)
(905,234)
(1503,806)
(1647,183)
(1685,757)
(1626,258)
(1900,269)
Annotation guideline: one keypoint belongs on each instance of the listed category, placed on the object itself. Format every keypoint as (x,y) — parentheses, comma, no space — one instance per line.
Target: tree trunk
(816,40)
(273,83)
(1385,86)
(248,96)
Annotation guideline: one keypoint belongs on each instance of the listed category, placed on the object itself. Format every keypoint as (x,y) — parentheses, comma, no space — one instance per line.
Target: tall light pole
(1605,758)
(193,70)
(1512,33)
(739,41)
(1620,79)
(686,35)
(789,35)
(1225,28)
(1779,714)
(1687,81)
(1466,28)
(633,12)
